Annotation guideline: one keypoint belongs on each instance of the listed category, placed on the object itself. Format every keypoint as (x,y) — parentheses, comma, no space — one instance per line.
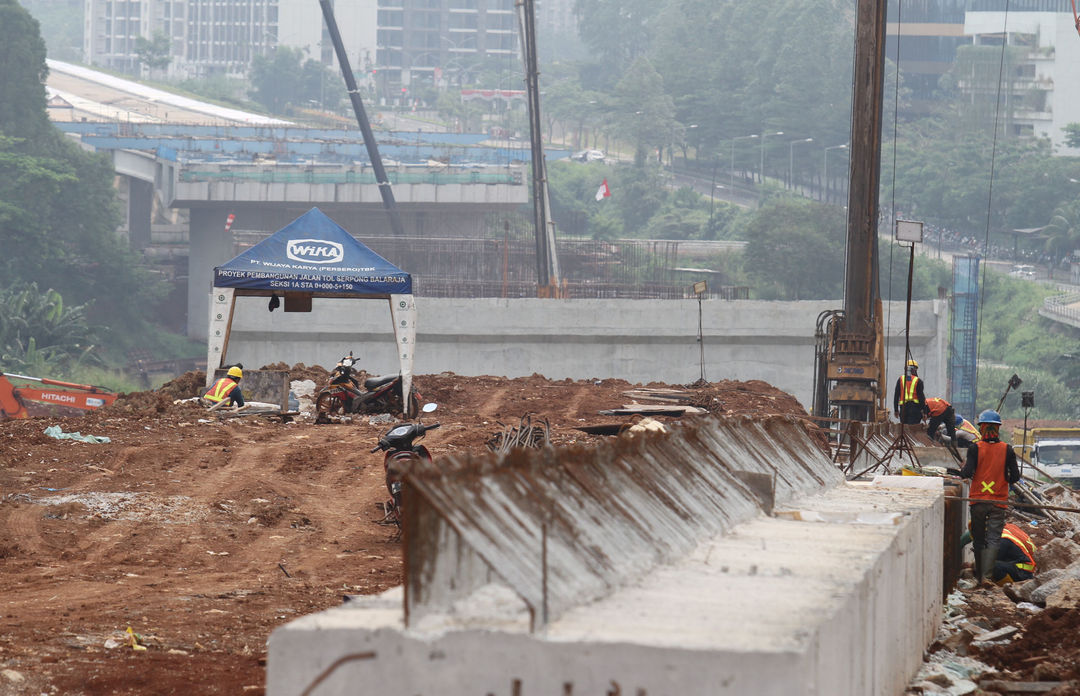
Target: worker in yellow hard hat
(909,402)
(226,390)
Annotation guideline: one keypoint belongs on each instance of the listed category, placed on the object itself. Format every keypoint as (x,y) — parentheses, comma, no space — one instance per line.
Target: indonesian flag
(603,192)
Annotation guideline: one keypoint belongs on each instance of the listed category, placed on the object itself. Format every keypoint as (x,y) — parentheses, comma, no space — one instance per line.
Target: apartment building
(438,42)
(209,37)
(1040,98)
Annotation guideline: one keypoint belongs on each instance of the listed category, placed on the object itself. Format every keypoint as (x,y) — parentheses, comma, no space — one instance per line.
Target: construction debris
(524,435)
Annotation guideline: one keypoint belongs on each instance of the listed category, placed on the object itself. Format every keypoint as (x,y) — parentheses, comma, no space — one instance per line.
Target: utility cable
(892,200)
(990,194)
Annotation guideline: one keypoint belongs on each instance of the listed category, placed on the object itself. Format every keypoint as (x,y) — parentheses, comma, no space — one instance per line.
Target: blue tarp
(313,254)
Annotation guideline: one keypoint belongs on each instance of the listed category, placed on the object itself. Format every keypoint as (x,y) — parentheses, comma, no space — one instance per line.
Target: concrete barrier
(838,593)
(640,341)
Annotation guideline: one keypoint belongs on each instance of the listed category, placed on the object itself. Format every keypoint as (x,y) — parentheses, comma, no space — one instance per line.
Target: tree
(795,250)
(617,31)
(39,334)
(644,113)
(278,79)
(58,208)
(153,53)
(22,63)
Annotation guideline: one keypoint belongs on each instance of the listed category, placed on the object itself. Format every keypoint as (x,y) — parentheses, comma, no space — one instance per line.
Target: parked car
(589,156)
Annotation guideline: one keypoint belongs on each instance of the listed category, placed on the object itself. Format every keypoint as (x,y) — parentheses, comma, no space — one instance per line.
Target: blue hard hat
(959,420)
(990,416)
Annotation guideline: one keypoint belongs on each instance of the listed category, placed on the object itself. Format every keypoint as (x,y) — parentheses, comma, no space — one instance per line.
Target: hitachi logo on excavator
(315,251)
(53,396)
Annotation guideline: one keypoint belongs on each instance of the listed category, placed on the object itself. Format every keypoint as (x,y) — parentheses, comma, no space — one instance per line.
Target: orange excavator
(83,397)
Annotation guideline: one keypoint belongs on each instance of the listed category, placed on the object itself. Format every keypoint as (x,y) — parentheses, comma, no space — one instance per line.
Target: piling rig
(849,365)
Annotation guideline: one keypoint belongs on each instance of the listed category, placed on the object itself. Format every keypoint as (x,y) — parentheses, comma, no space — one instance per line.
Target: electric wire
(892,201)
(990,195)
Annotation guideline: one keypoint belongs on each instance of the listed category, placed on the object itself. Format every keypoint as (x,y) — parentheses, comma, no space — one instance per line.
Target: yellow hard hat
(913,363)
(236,372)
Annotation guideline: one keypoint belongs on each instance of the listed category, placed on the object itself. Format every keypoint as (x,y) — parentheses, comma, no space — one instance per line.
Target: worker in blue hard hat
(991,466)
(966,433)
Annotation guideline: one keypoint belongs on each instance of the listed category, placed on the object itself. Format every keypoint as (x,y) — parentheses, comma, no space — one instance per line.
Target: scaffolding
(964,331)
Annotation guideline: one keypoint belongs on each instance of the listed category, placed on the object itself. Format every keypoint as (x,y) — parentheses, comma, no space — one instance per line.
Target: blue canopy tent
(310,257)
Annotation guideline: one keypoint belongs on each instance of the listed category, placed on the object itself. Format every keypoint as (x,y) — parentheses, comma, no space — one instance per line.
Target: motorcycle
(400,446)
(344,395)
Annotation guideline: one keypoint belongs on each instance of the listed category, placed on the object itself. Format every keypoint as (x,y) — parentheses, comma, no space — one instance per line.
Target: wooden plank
(996,635)
(1007,687)
(652,410)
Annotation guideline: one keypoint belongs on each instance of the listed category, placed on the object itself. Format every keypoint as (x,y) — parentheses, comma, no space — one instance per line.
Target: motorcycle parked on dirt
(344,395)
(400,446)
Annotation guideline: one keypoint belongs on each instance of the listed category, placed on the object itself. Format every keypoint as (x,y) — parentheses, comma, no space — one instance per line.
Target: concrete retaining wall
(838,594)
(636,340)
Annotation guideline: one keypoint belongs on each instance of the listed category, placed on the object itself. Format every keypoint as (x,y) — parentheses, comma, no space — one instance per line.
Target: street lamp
(791,160)
(761,164)
(741,137)
(825,171)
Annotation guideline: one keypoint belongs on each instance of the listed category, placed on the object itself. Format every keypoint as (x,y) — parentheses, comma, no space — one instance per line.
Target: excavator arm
(83,397)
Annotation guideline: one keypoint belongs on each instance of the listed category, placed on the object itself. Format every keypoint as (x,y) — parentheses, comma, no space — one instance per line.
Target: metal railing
(351,176)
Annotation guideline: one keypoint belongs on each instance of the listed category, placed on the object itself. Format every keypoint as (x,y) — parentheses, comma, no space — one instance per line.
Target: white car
(589,156)
(1022,271)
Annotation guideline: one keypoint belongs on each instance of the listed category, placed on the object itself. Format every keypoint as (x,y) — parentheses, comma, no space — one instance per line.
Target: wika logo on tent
(314,251)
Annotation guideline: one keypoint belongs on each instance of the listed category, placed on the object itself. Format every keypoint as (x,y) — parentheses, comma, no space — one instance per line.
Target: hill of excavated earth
(203,532)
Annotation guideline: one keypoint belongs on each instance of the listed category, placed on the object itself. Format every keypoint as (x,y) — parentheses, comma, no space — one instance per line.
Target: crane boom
(850,362)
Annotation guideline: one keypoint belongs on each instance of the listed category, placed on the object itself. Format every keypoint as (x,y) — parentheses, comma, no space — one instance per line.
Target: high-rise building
(1040,95)
(437,42)
(208,37)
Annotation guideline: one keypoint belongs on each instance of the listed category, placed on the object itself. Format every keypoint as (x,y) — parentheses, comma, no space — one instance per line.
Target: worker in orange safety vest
(991,466)
(226,390)
(1015,558)
(941,413)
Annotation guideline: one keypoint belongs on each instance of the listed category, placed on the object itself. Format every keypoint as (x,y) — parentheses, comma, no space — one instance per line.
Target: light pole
(791,160)
(825,172)
(741,137)
(761,163)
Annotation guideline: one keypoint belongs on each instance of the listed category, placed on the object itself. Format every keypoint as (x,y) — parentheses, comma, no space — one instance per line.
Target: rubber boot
(989,557)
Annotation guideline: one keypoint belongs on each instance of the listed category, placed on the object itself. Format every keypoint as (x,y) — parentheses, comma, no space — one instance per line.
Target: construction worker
(940,412)
(991,466)
(226,391)
(908,399)
(966,433)
(1015,557)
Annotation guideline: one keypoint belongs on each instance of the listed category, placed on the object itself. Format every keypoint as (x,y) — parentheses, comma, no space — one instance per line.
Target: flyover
(183,179)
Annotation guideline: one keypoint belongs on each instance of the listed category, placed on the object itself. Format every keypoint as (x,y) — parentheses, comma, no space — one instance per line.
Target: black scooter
(399,445)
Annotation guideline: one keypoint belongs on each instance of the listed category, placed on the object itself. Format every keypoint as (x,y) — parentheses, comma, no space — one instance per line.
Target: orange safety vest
(908,393)
(1022,540)
(989,483)
(221,390)
(967,427)
(937,406)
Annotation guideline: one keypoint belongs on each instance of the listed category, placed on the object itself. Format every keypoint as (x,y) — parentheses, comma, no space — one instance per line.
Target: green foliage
(1013,338)
(39,335)
(795,251)
(153,53)
(1072,134)
(58,207)
(22,64)
(284,80)
(61,26)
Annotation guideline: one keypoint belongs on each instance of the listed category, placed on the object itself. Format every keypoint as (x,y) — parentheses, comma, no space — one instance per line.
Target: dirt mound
(1049,651)
(316,373)
(203,532)
(185,386)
